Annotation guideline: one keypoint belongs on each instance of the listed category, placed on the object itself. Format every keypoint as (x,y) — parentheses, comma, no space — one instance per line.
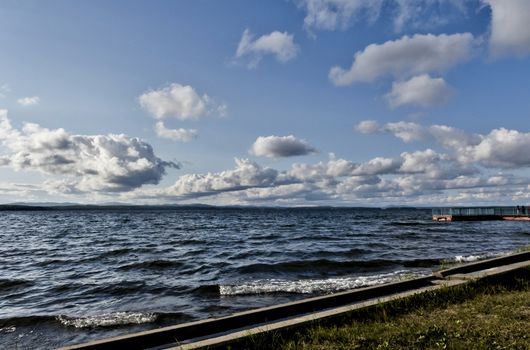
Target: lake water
(69,276)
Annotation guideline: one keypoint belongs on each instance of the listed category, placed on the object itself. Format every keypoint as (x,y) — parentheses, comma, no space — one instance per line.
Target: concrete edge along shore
(230,330)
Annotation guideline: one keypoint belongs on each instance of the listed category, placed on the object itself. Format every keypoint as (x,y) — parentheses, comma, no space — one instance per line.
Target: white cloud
(420,161)
(509,27)
(29,101)
(367,127)
(178,101)
(4,90)
(280,146)
(406,57)
(181,102)
(339,167)
(85,162)
(245,175)
(279,44)
(407,131)
(501,148)
(340,14)
(179,134)
(377,166)
(447,136)
(423,176)
(425,13)
(333,14)
(421,90)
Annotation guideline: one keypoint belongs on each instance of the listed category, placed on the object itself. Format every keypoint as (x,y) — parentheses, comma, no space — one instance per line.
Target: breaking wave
(472,258)
(108,320)
(313,286)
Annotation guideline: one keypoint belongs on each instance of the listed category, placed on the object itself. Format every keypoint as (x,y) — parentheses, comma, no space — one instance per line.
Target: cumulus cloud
(245,175)
(509,27)
(280,45)
(179,134)
(377,166)
(501,148)
(86,162)
(408,131)
(423,176)
(181,102)
(29,101)
(176,100)
(280,146)
(405,57)
(367,127)
(421,90)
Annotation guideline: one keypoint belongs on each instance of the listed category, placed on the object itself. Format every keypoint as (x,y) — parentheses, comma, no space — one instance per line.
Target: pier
(517,213)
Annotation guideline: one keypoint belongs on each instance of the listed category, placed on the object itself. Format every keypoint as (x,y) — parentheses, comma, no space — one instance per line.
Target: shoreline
(234,329)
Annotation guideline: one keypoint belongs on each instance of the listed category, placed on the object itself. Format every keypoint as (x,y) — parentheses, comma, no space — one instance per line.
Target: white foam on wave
(106,320)
(472,258)
(8,329)
(311,286)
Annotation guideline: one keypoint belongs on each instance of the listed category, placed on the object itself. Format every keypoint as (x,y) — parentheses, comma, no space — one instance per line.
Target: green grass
(488,314)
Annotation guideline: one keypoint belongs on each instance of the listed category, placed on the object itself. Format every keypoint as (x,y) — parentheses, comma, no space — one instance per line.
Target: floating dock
(518,213)
(231,331)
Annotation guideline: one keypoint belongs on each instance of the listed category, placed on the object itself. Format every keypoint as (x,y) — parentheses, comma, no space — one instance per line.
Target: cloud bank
(466,168)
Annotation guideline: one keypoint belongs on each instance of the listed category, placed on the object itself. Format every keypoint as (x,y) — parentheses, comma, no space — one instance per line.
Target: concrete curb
(484,264)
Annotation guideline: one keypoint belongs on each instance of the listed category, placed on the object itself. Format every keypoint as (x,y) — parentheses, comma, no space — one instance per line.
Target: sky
(273,103)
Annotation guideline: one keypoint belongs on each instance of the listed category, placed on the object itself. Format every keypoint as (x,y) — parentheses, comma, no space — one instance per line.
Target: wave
(152,265)
(13,284)
(53,261)
(116,252)
(8,329)
(113,319)
(313,286)
(409,223)
(334,266)
(472,258)
(354,252)
(422,262)
(108,320)
(118,288)
(30,321)
(207,290)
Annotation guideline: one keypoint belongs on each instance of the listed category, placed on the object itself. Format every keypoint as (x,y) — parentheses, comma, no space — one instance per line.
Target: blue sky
(295,102)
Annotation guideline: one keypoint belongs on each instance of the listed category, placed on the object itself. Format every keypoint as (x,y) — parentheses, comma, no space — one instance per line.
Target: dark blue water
(69,276)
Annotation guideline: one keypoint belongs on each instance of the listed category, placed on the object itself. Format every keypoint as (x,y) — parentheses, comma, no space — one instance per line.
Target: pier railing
(481,211)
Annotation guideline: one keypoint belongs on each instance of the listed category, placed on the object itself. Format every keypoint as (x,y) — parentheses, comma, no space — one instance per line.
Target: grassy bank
(488,314)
